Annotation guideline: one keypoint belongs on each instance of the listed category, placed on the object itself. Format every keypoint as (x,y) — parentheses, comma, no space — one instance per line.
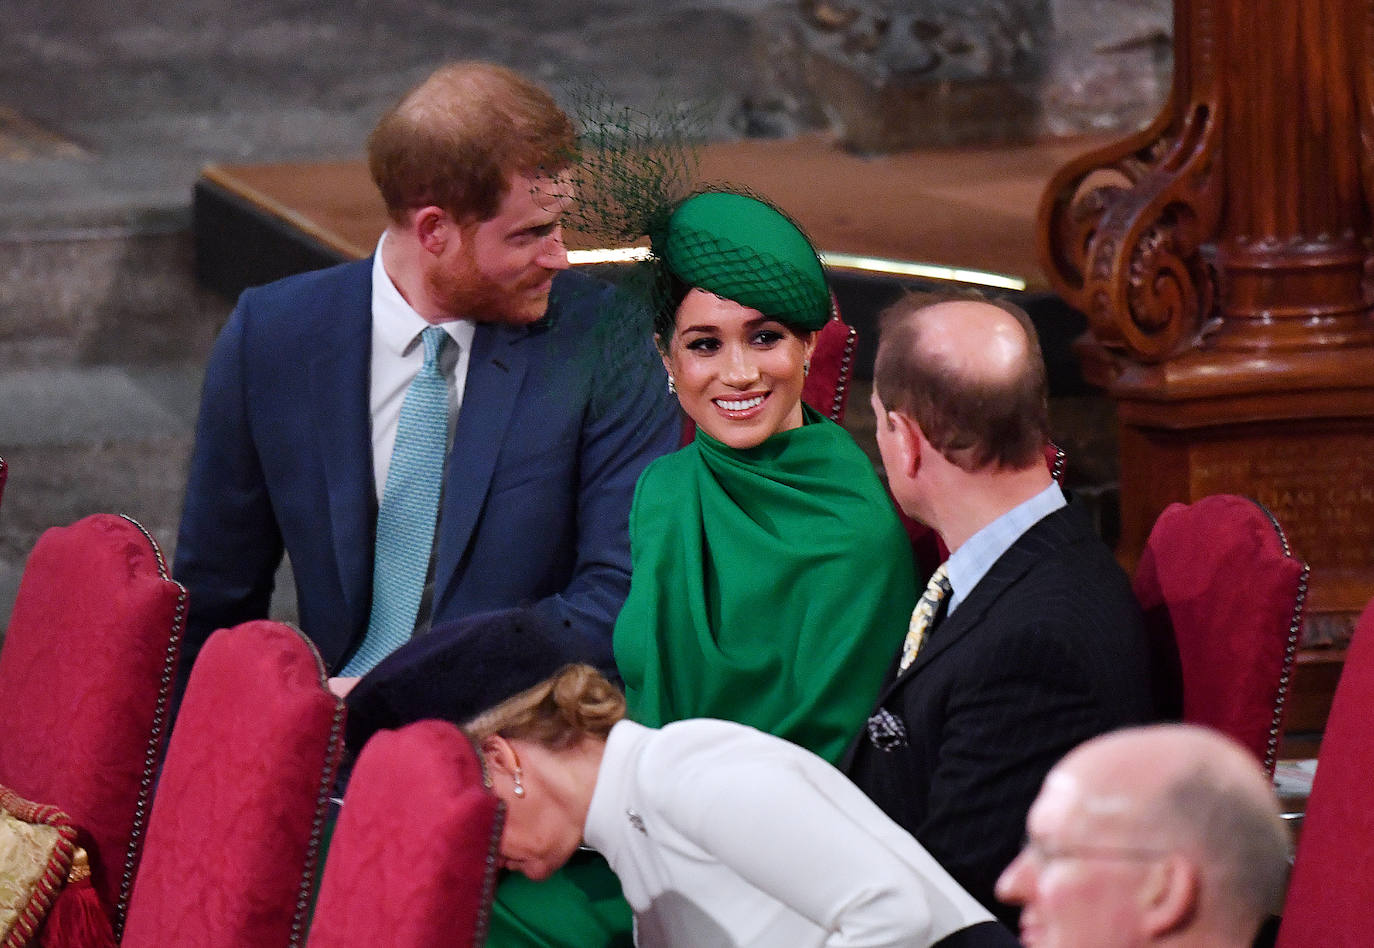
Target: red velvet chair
(85,685)
(412,862)
(826,388)
(235,830)
(1223,599)
(1329,903)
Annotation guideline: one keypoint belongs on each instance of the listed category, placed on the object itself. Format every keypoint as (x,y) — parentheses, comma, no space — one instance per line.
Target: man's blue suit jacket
(537,493)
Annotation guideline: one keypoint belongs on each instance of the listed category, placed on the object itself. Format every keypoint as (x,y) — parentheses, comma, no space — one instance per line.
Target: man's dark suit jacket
(539,480)
(1046,651)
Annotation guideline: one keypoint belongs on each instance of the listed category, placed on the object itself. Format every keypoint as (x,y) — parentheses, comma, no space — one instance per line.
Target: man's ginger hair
(454,141)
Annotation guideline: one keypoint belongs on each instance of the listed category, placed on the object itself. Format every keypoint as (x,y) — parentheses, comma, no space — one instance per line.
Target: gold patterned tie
(922,616)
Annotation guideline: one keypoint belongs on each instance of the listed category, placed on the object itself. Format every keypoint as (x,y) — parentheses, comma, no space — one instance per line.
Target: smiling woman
(742,294)
(738,373)
(771,580)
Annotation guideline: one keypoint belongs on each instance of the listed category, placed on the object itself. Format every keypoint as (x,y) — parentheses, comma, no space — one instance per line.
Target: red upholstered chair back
(413,859)
(826,388)
(85,684)
(1329,903)
(236,826)
(1223,598)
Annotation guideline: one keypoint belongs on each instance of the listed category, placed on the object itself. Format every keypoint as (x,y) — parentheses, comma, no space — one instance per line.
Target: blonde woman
(720,834)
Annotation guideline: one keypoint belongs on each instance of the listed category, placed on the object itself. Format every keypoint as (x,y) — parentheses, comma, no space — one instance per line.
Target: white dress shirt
(723,835)
(397,357)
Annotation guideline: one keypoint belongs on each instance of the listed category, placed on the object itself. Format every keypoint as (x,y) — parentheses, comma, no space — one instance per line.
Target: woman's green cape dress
(770,586)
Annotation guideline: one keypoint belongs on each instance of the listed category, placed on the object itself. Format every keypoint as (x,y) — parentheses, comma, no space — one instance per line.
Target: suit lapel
(1010,567)
(952,627)
(339,413)
(496,370)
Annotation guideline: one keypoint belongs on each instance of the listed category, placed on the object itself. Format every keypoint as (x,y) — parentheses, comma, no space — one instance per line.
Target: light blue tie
(410,507)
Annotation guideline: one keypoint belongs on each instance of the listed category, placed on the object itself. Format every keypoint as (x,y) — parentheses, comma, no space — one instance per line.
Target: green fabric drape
(771,586)
(579,906)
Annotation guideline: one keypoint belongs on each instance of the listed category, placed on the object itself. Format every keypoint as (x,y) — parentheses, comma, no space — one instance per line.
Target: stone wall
(886,75)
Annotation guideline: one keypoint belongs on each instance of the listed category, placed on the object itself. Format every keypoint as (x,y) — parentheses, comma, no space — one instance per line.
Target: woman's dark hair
(668,293)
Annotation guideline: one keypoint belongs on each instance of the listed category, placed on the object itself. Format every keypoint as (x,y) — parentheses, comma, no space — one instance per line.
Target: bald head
(1149,801)
(1146,765)
(973,340)
(970,373)
(455,140)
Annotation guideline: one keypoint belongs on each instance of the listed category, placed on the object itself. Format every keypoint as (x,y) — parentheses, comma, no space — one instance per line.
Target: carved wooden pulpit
(1222,257)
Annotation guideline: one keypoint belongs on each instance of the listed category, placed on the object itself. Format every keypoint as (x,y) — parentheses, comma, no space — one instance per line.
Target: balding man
(1036,643)
(1150,836)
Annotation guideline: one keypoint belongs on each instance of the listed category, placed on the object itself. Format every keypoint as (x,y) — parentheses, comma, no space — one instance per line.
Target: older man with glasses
(1149,836)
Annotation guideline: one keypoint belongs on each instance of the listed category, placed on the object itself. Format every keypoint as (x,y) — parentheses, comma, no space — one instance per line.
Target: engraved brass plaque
(1320,487)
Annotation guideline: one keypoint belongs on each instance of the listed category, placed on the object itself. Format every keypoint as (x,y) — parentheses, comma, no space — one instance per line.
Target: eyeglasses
(1045,852)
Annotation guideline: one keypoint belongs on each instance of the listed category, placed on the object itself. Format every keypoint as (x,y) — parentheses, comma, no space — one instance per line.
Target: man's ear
(434,229)
(909,439)
(1170,895)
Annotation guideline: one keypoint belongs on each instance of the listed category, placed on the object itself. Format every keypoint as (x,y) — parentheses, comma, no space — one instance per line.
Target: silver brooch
(636,821)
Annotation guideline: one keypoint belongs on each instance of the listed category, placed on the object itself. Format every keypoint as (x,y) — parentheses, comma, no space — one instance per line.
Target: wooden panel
(1221,256)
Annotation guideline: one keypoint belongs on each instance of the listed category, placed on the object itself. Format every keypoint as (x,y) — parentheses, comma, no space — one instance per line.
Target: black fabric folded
(456,671)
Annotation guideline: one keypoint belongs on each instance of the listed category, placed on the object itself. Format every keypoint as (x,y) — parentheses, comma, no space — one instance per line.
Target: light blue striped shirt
(970,563)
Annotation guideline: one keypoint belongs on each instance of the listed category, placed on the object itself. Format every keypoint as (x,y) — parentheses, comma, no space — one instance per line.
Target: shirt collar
(970,563)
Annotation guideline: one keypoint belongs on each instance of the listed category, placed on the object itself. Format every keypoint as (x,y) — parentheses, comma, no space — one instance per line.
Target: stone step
(103,294)
(104,334)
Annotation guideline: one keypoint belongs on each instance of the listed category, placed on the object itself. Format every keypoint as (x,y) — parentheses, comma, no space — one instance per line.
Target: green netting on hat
(743,249)
(636,176)
(633,165)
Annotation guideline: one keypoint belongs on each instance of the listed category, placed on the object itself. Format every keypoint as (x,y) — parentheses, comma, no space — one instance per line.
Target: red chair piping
(333,753)
(1271,751)
(151,753)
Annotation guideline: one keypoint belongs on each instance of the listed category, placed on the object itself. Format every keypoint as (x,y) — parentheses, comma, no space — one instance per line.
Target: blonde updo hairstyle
(578,701)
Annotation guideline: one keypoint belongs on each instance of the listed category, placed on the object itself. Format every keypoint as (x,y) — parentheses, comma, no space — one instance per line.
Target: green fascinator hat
(745,250)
